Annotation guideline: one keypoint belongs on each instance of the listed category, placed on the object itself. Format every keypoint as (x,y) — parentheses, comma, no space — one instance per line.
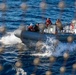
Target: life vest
(48,22)
(72,26)
(58,23)
(30,28)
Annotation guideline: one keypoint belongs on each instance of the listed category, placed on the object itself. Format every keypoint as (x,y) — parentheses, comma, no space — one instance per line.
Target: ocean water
(14,16)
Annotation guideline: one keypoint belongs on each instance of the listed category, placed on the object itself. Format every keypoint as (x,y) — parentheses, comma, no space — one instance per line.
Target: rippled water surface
(14,16)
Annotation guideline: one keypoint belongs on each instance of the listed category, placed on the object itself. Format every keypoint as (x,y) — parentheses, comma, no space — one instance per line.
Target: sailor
(36,28)
(48,22)
(72,26)
(31,28)
(59,24)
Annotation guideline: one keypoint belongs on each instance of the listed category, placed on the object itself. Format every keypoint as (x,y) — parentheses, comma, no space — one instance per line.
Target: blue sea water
(14,17)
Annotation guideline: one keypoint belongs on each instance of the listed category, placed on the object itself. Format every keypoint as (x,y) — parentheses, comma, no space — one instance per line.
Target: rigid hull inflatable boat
(47,32)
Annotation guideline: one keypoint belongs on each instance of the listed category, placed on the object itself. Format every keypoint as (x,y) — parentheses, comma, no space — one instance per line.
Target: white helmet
(31,24)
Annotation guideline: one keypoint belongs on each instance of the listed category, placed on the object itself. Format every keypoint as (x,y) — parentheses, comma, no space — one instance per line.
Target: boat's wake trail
(9,39)
(54,47)
(50,47)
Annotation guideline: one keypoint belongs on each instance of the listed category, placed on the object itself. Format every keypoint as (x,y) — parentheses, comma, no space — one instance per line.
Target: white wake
(54,47)
(9,39)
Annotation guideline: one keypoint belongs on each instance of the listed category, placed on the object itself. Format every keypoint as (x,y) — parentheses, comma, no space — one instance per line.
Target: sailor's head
(31,24)
(37,24)
(58,20)
(48,18)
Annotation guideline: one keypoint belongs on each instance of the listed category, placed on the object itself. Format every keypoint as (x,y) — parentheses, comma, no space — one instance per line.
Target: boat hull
(43,36)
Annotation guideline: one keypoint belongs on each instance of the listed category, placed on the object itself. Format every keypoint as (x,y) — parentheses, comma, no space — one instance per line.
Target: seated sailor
(48,22)
(36,28)
(73,26)
(31,28)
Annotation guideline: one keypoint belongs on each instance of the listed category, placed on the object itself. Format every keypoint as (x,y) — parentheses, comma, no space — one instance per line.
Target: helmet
(31,24)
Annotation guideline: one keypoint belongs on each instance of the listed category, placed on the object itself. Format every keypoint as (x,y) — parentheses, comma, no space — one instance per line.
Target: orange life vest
(48,22)
(30,28)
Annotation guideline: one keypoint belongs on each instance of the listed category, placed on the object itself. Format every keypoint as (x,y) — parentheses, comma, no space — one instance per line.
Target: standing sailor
(59,25)
(48,22)
(73,26)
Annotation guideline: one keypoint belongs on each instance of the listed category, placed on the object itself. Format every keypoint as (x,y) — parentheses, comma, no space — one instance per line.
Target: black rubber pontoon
(43,36)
